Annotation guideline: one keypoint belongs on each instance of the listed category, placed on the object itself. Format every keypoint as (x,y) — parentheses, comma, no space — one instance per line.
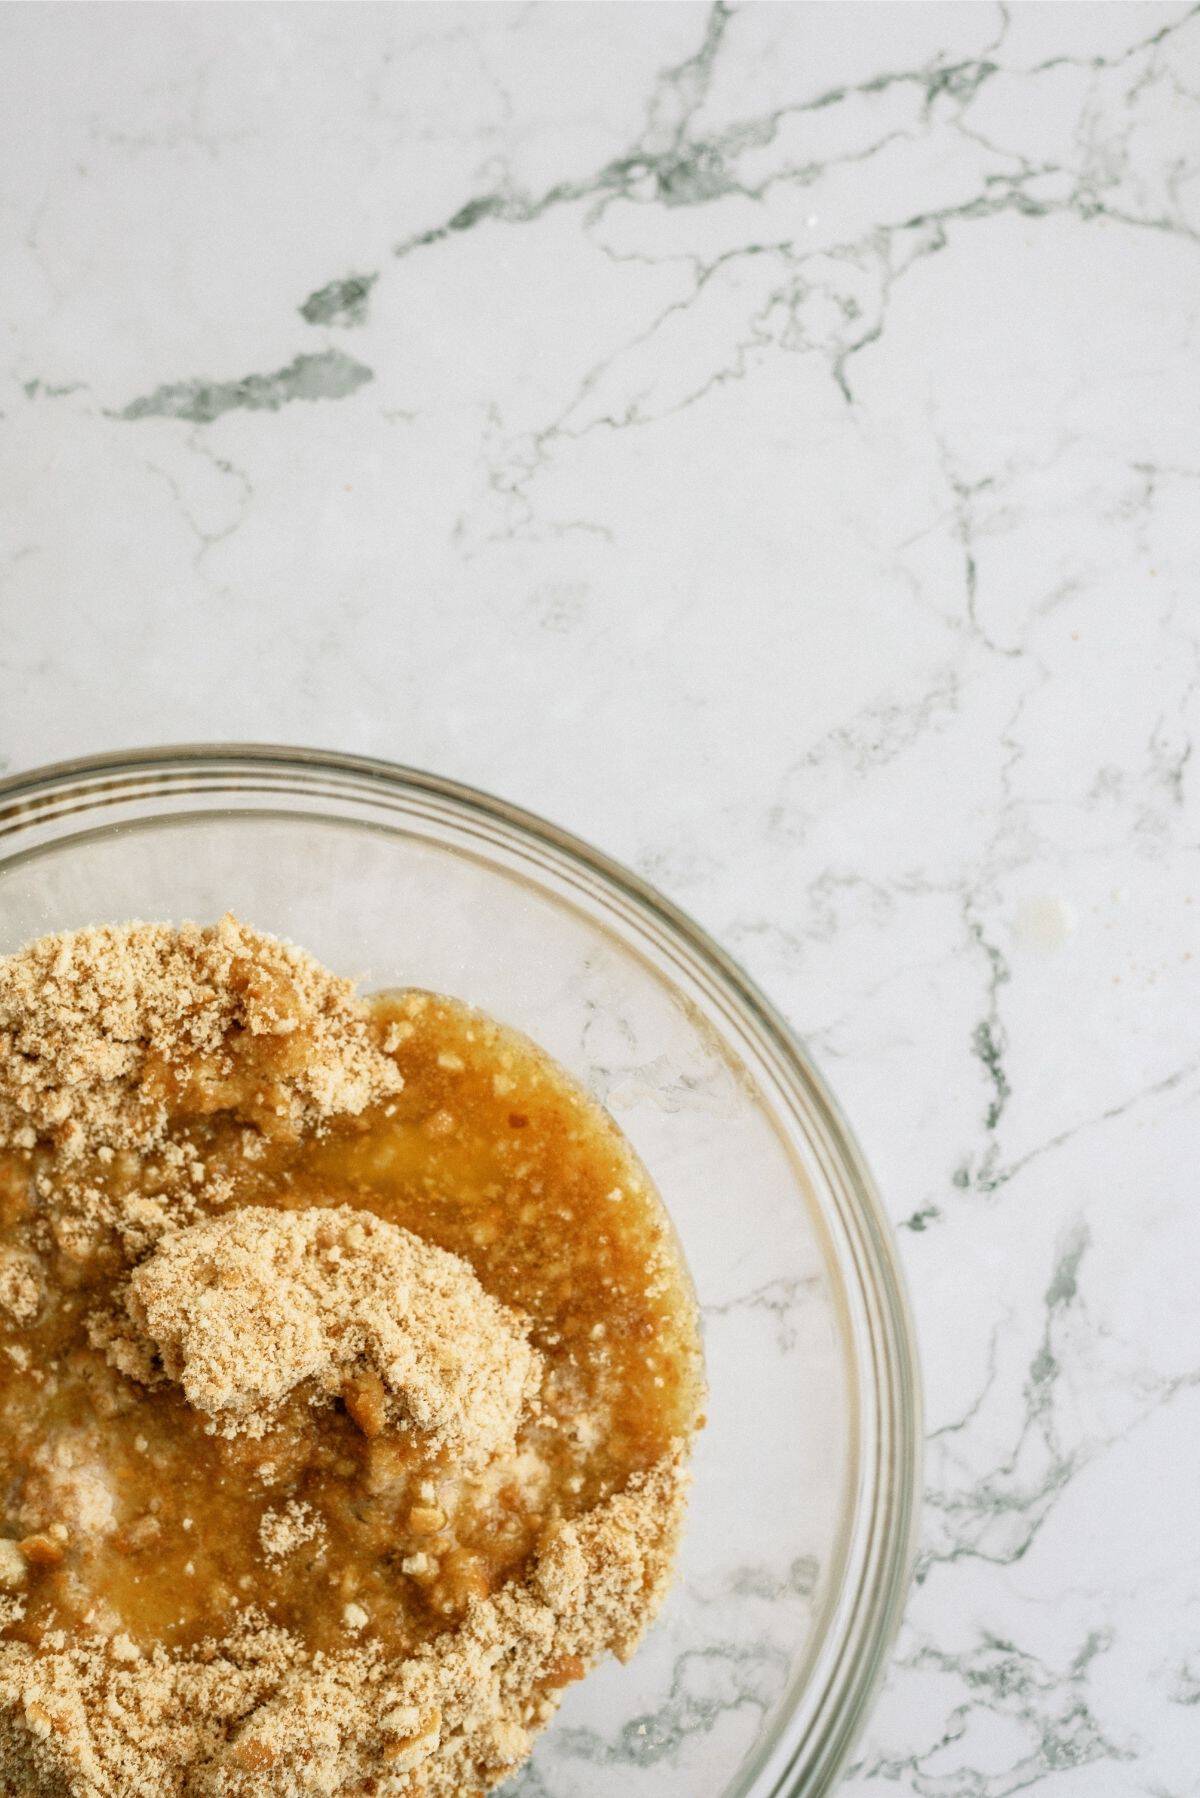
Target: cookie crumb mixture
(344,1416)
(245,1307)
(109,1034)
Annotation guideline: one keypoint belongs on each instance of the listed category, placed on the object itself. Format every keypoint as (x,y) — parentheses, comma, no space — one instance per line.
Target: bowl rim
(814,1762)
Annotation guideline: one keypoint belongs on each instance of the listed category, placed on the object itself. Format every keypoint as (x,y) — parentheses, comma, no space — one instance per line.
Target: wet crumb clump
(245,1307)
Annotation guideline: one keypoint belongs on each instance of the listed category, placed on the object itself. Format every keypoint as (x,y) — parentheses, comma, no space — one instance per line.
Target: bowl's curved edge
(19,792)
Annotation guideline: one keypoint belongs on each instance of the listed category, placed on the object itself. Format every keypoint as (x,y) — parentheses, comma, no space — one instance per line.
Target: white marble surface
(766,441)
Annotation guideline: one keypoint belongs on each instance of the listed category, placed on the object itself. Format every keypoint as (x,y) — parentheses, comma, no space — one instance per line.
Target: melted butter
(135,1519)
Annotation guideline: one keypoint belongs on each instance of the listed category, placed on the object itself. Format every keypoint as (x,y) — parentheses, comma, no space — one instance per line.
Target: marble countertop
(763,439)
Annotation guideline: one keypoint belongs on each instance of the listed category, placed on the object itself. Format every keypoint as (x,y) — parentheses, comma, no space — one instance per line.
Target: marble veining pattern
(763,438)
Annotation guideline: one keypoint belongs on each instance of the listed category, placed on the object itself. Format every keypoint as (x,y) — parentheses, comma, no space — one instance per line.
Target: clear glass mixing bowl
(797,1556)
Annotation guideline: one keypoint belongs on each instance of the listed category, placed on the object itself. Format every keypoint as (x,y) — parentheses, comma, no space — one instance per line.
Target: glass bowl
(797,1555)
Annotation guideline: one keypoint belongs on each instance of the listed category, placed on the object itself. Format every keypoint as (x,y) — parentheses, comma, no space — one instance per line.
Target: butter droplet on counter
(1044,923)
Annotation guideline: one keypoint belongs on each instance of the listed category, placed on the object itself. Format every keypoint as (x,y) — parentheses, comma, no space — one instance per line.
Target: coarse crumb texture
(283,1531)
(252,1717)
(246,1306)
(411,1488)
(106,1032)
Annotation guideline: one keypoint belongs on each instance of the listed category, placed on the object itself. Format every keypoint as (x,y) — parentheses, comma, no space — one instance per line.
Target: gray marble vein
(325,375)
(341,302)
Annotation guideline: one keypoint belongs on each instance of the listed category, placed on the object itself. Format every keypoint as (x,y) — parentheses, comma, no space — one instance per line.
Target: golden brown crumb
(89,1721)
(20,1284)
(101,1029)
(246,1306)
(283,1531)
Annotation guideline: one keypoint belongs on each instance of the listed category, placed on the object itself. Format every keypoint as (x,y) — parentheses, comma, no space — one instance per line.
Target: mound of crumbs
(348,1377)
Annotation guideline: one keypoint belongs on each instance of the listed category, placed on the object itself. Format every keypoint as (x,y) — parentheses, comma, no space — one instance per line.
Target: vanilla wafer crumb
(291,1526)
(254,1714)
(246,1306)
(105,1032)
